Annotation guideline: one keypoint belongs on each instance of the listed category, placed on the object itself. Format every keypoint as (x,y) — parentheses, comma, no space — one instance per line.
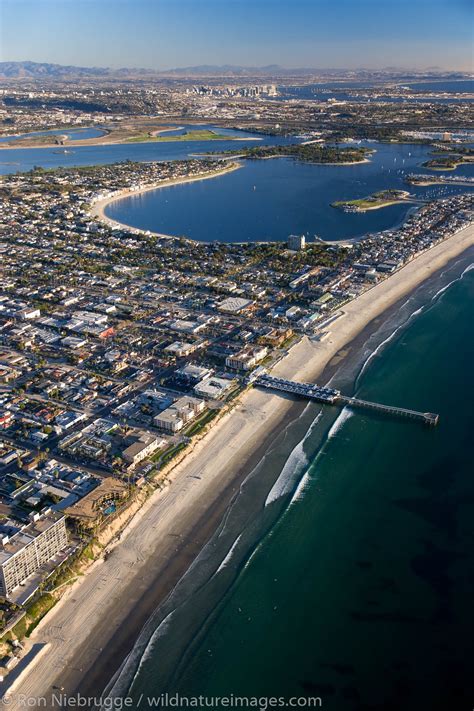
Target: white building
(180,349)
(213,388)
(168,421)
(234,305)
(180,413)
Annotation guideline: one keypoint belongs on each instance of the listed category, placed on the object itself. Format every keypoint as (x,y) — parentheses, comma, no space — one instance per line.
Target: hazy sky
(167,33)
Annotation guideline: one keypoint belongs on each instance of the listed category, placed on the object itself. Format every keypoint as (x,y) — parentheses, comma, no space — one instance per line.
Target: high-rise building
(296,242)
(29,548)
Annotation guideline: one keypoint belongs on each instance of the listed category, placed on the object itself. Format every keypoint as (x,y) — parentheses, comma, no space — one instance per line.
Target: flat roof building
(246,358)
(143,446)
(234,305)
(180,349)
(213,388)
(27,550)
(169,421)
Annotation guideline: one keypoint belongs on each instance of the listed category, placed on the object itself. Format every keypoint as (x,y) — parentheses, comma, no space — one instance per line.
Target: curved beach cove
(269,199)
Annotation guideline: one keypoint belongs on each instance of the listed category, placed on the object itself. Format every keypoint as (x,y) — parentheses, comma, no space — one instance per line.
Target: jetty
(331,396)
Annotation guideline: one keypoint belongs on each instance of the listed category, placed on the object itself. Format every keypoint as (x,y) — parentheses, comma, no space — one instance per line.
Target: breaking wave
(294,465)
(229,555)
(345,415)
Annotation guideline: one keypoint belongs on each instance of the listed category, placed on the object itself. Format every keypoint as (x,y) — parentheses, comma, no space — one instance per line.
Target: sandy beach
(98,208)
(93,628)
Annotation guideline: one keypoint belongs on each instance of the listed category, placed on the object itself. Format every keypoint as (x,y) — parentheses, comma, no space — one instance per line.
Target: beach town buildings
(175,417)
(214,388)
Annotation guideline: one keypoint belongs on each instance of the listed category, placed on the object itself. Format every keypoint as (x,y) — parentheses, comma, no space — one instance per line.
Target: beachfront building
(168,421)
(31,547)
(179,414)
(187,407)
(296,242)
(142,448)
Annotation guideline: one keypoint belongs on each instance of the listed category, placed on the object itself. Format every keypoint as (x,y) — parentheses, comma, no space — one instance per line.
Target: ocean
(344,568)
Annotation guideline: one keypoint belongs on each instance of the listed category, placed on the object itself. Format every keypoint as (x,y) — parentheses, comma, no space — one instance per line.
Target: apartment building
(28,549)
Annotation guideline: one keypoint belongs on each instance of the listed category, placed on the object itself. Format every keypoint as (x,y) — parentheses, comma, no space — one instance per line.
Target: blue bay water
(267,200)
(344,91)
(359,589)
(74,134)
(456,86)
(15,160)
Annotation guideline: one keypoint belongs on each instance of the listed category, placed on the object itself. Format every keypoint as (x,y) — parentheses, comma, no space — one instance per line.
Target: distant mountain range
(39,71)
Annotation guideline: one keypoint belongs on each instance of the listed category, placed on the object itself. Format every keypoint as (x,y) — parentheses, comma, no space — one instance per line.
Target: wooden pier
(332,396)
(428,418)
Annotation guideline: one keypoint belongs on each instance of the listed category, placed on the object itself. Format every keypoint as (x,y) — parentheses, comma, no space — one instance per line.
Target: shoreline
(74,143)
(89,630)
(98,207)
(442,182)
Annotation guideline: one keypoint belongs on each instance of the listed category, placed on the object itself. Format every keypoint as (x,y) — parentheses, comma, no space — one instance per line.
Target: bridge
(331,396)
